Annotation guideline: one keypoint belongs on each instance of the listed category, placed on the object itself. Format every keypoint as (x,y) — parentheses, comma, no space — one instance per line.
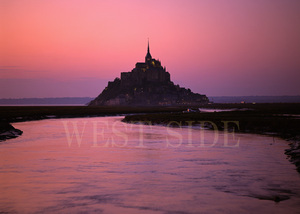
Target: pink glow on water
(46,171)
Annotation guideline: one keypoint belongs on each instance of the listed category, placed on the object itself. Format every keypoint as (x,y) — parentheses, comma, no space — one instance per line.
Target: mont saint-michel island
(148,84)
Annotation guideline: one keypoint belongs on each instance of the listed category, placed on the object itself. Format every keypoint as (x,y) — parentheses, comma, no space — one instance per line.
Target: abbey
(148,84)
(148,71)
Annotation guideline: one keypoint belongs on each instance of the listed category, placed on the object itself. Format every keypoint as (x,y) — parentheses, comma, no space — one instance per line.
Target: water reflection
(103,165)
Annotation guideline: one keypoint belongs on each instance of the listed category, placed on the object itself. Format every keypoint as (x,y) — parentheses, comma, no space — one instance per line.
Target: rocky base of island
(7,131)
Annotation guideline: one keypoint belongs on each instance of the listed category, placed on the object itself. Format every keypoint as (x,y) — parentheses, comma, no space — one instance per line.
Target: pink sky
(61,48)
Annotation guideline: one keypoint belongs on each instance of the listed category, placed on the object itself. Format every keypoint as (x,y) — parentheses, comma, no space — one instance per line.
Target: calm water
(101,165)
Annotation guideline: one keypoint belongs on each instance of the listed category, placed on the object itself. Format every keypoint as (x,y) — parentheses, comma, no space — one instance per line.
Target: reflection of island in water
(148,84)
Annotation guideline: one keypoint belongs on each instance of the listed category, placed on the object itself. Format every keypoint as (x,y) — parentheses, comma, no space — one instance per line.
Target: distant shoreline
(55,101)
(81,101)
(33,105)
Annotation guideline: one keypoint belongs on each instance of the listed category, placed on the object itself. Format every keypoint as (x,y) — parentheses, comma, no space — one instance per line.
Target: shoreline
(28,113)
(13,114)
(7,131)
(282,123)
(280,120)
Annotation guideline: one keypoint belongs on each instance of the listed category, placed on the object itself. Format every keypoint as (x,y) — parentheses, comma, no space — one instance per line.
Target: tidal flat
(275,119)
(103,165)
(81,160)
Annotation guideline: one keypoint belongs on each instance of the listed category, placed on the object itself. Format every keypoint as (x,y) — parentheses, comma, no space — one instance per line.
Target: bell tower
(148,56)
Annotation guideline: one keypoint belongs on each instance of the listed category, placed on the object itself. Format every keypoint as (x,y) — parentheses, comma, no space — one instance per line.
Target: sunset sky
(60,48)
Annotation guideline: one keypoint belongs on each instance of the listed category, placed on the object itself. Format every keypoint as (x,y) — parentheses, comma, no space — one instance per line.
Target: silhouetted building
(148,84)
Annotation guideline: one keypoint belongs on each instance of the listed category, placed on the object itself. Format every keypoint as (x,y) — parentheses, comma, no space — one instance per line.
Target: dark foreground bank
(7,131)
(10,114)
(280,120)
(28,113)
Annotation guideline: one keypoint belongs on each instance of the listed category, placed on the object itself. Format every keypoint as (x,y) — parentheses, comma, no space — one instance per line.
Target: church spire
(148,56)
(148,47)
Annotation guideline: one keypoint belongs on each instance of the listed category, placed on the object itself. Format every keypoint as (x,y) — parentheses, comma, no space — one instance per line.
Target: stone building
(146,72)
(148,84)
